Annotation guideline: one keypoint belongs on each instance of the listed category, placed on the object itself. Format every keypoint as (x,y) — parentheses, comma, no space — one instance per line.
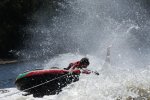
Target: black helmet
(85,61)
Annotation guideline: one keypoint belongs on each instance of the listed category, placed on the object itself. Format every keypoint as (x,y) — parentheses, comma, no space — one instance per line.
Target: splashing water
(113,83)
(87,28)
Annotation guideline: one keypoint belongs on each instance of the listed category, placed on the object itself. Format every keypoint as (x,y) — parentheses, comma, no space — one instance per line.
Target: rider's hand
(96,73)
(65,68)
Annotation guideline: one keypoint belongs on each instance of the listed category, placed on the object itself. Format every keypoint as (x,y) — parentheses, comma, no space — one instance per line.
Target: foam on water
(113,83)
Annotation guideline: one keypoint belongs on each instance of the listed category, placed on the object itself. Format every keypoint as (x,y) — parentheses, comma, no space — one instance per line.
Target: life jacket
(79,65)
(76,65)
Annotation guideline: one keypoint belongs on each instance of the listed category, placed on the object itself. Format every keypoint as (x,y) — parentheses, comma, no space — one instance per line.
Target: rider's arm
(70,65)
(86,71)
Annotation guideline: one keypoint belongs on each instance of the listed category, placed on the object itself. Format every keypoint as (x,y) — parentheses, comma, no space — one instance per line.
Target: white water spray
(90,27)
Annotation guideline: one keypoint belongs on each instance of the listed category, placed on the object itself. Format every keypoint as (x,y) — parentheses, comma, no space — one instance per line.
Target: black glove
(65,69)
(96,73)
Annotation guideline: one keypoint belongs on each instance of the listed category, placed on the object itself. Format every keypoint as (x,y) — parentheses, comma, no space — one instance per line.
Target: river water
(113,82)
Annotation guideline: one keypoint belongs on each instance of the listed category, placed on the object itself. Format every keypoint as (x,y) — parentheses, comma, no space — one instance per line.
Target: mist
(89,27)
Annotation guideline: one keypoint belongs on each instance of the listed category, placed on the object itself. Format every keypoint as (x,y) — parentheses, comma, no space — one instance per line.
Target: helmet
(85,61)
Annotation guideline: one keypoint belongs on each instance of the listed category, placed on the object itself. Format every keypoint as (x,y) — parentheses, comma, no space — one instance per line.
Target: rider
(82,64)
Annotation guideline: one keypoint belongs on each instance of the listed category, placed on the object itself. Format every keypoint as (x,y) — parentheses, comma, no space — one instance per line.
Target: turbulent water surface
(113,82)
(87,28)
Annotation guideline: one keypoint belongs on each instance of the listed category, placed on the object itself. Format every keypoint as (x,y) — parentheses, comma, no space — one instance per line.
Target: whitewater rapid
(113,83)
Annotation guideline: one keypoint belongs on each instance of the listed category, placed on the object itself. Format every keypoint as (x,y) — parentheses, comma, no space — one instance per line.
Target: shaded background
(15,16)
